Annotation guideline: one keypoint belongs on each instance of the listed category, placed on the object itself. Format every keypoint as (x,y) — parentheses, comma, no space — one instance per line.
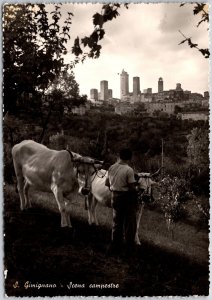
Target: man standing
(121,182)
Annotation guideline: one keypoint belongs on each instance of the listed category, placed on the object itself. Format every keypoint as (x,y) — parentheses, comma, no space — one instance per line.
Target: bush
(9,172)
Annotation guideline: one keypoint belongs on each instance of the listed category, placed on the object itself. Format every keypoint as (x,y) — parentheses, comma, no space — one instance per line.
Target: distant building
(136,86)
(178,87)
(196,116)
(196,97)
(206,94)
(104,90)
(163,106)
(77,110)
(123,108)
(124,81)
(110,93)
(147,91)
(205,100)
(146,98)
(160,85)
(94,94)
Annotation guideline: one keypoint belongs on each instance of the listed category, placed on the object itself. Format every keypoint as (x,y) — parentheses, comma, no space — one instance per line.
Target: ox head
(86,168)
(144,187)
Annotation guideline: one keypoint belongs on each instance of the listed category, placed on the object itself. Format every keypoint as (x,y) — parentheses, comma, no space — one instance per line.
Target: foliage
(198,146)
(199,8)
(173,193)
(65,84)
(109,12)
(61,95)
(177,201)
(33,49)
(8,164)
(83,146)
(101,135)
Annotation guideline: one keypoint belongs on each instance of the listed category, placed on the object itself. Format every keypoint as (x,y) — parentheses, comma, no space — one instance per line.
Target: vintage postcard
(106,149)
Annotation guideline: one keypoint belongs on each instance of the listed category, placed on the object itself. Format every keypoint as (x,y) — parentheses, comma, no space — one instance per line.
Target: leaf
(101,33)
(76,48)
(183,42)
(84,41)
(198,8)
(98,20)
(205,52)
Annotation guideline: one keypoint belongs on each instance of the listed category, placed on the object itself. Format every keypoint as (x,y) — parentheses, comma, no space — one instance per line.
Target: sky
(144,41)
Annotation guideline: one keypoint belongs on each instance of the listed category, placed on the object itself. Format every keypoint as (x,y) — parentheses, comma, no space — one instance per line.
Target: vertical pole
(162,172)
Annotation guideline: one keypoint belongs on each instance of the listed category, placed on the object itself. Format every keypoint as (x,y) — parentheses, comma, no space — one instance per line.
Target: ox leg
(20,184)
(26,196)
(20,187)
(89,202)
(61,205)
(138,219)
(67,215)
(92,210)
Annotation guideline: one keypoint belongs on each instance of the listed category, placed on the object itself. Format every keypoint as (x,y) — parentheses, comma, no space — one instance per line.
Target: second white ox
(53,171)
(102,194)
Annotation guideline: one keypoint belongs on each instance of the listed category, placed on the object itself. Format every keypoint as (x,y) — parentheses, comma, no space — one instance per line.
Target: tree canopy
(35,42)
(33,49)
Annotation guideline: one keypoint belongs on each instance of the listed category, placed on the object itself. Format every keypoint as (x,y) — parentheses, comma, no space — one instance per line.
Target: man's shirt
(120,176)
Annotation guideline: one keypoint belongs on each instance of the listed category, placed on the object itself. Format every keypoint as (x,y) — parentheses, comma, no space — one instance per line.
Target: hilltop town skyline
(132,85)
(144,40)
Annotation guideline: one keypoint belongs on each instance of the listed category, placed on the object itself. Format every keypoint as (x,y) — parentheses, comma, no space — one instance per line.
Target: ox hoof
(137,242)
(23,208)
(66,226)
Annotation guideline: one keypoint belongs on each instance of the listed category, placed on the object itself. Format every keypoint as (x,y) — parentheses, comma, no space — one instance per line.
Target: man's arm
(131,180)
(132,186)
(107,182)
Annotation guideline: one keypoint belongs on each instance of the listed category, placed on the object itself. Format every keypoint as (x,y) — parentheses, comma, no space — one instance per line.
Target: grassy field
(37,250)
(188,240)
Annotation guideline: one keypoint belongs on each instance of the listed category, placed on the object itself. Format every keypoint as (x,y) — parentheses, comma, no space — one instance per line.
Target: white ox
(53,171)
(102,194)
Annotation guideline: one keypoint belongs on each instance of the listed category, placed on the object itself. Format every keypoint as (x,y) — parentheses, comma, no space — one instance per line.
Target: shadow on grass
(75,261)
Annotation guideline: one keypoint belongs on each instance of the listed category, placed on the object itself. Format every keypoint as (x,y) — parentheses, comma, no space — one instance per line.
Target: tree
(33,49)
(65,83)
(198,148)
(199,8)
(62,94)
(35,43)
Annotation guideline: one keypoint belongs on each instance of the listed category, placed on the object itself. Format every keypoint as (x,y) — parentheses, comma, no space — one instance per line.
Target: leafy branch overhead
(109,12)
(34,46)
(199,8)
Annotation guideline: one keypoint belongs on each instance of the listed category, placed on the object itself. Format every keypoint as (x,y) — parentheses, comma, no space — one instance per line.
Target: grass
(38,250)
(188,240)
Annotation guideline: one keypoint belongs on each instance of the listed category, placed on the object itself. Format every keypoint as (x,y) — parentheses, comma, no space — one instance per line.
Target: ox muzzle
(84,191)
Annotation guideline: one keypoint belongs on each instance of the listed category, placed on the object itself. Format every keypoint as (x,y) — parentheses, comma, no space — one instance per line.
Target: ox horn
(156,173)
(100,162)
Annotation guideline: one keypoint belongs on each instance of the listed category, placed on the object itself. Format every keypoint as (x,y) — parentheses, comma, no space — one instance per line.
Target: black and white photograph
(105,129)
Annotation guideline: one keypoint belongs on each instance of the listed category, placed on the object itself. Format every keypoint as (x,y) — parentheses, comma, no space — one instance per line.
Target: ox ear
(76,157)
